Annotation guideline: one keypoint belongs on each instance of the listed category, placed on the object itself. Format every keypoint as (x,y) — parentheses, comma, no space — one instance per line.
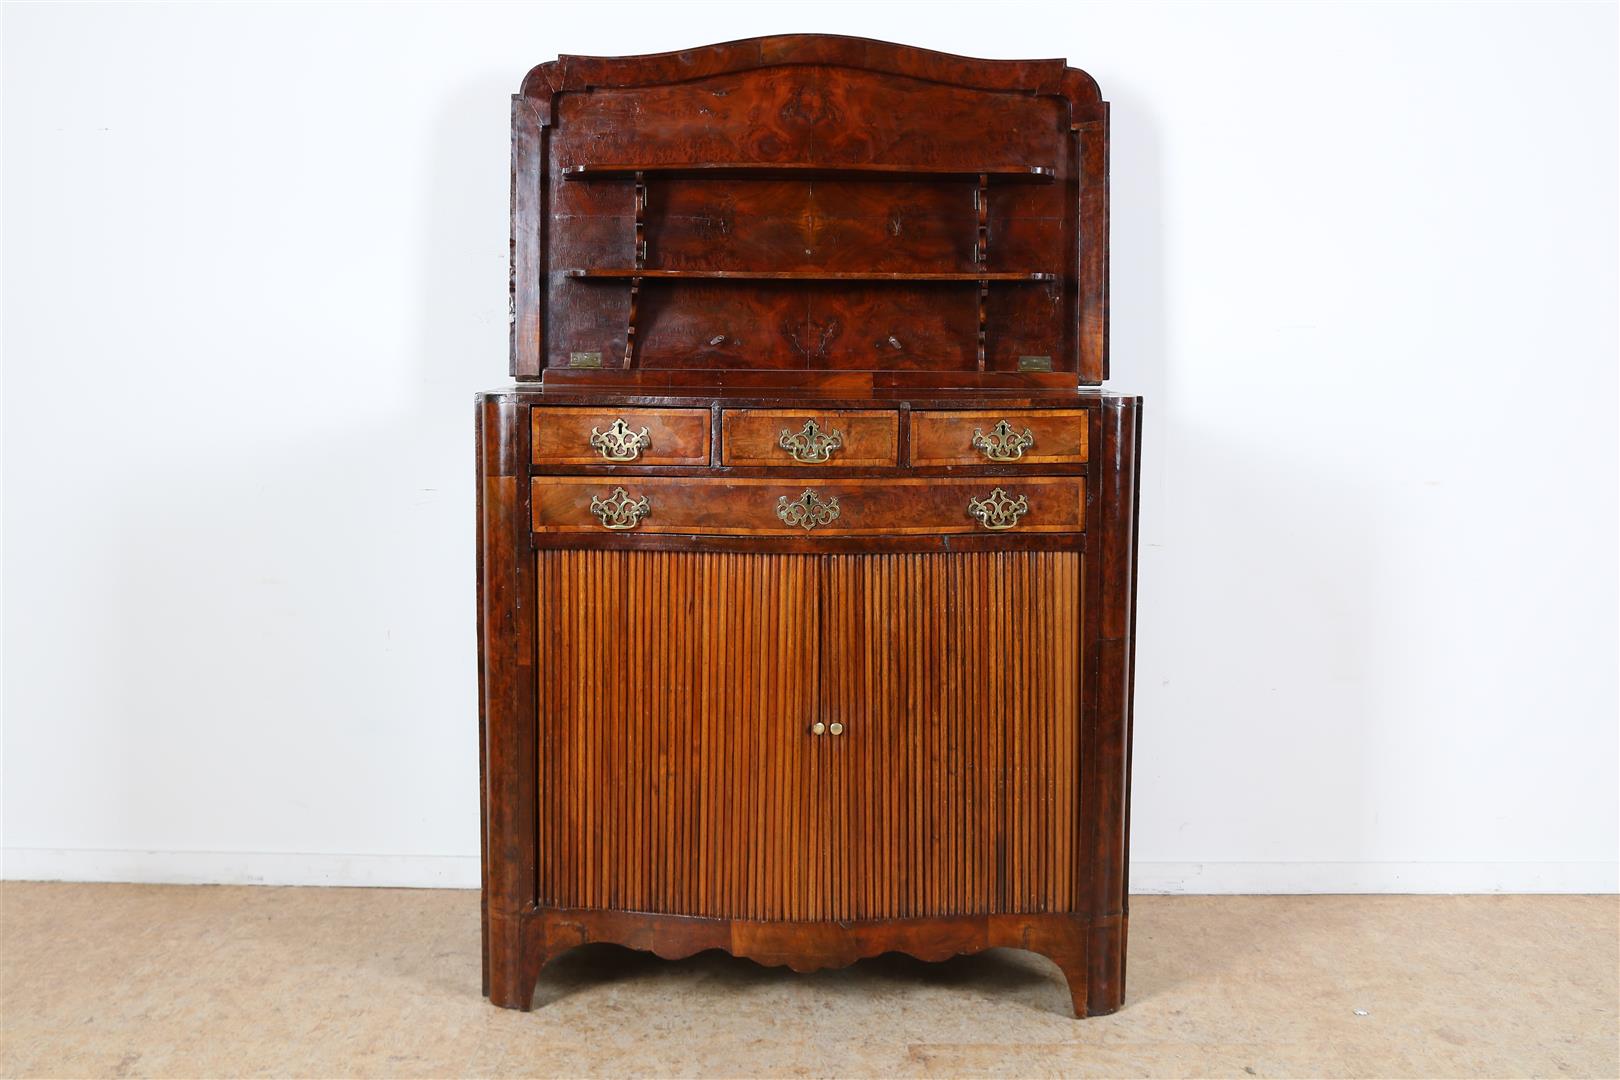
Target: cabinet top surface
(1072,397)
(808,204)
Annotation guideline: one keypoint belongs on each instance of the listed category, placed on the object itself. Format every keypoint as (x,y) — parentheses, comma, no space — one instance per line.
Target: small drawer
(566,435)
(829,438)
(820,506)
(1030,437)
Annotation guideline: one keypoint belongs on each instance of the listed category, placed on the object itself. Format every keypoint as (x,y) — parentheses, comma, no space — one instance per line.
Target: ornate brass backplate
(619,511)
(619,443)
(1003,443)
(808,510)
(998,510)
(811,443)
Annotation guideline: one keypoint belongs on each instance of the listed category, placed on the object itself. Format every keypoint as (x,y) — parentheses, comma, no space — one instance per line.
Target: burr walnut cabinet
(806,537)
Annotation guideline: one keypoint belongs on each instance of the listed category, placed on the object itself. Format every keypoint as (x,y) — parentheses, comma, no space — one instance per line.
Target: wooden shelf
(761,170)
(638,273)
(621,273)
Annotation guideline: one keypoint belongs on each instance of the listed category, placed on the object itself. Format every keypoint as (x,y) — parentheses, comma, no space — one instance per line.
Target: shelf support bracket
(981,256)
(640,263)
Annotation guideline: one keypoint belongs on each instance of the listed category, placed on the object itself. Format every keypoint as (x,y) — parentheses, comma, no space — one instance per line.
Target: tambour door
(955,782)
(677,771)
(808,737)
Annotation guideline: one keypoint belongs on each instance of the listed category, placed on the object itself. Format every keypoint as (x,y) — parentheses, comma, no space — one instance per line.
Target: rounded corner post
(506,695)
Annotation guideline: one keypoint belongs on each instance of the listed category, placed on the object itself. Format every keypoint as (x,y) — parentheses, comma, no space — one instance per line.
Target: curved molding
(1089,951)
(1052,76)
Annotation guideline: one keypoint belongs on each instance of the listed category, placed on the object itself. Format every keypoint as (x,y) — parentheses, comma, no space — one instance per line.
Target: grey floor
(127,980)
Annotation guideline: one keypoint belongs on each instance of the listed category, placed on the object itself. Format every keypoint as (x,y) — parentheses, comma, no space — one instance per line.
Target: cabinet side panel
(1092,129)
(506,694)
(528,239)
(1111,658)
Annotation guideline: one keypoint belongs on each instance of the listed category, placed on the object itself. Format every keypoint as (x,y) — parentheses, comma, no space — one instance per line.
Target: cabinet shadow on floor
(1006,974)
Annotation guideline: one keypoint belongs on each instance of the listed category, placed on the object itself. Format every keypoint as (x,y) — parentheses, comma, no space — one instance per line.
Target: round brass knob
(818,727)
(836,728)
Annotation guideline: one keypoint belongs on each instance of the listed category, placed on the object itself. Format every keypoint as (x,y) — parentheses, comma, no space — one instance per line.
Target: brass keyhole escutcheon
(811,443)
(1003,443)
(619,443)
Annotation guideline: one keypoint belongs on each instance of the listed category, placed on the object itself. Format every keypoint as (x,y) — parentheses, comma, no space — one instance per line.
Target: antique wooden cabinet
(806,541)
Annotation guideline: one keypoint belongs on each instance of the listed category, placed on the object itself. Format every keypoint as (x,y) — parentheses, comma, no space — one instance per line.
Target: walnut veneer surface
(806,554)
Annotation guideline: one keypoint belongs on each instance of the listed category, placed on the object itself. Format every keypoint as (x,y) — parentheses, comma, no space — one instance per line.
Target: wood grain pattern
(678,775)
(562,434)
(946,438)
(746,506)
(753,436)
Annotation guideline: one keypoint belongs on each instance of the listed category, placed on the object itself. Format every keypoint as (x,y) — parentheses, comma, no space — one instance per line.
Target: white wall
(1364,270)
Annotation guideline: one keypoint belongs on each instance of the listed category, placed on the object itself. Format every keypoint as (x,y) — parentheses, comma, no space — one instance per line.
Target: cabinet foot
(512,965)
(1105,982)
(1091,955)
(1075,974)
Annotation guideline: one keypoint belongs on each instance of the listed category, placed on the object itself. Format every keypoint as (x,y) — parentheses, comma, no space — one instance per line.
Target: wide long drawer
(824,506)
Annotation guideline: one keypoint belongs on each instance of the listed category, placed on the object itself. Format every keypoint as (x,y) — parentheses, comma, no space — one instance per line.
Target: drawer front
(1045,437)
(736,506)
(566,435)
(829,438)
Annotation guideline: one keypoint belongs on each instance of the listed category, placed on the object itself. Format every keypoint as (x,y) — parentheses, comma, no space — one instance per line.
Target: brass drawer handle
(619,443)
(998,510)
(808,510)
(1003,443)
(619,511)
(811,443)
